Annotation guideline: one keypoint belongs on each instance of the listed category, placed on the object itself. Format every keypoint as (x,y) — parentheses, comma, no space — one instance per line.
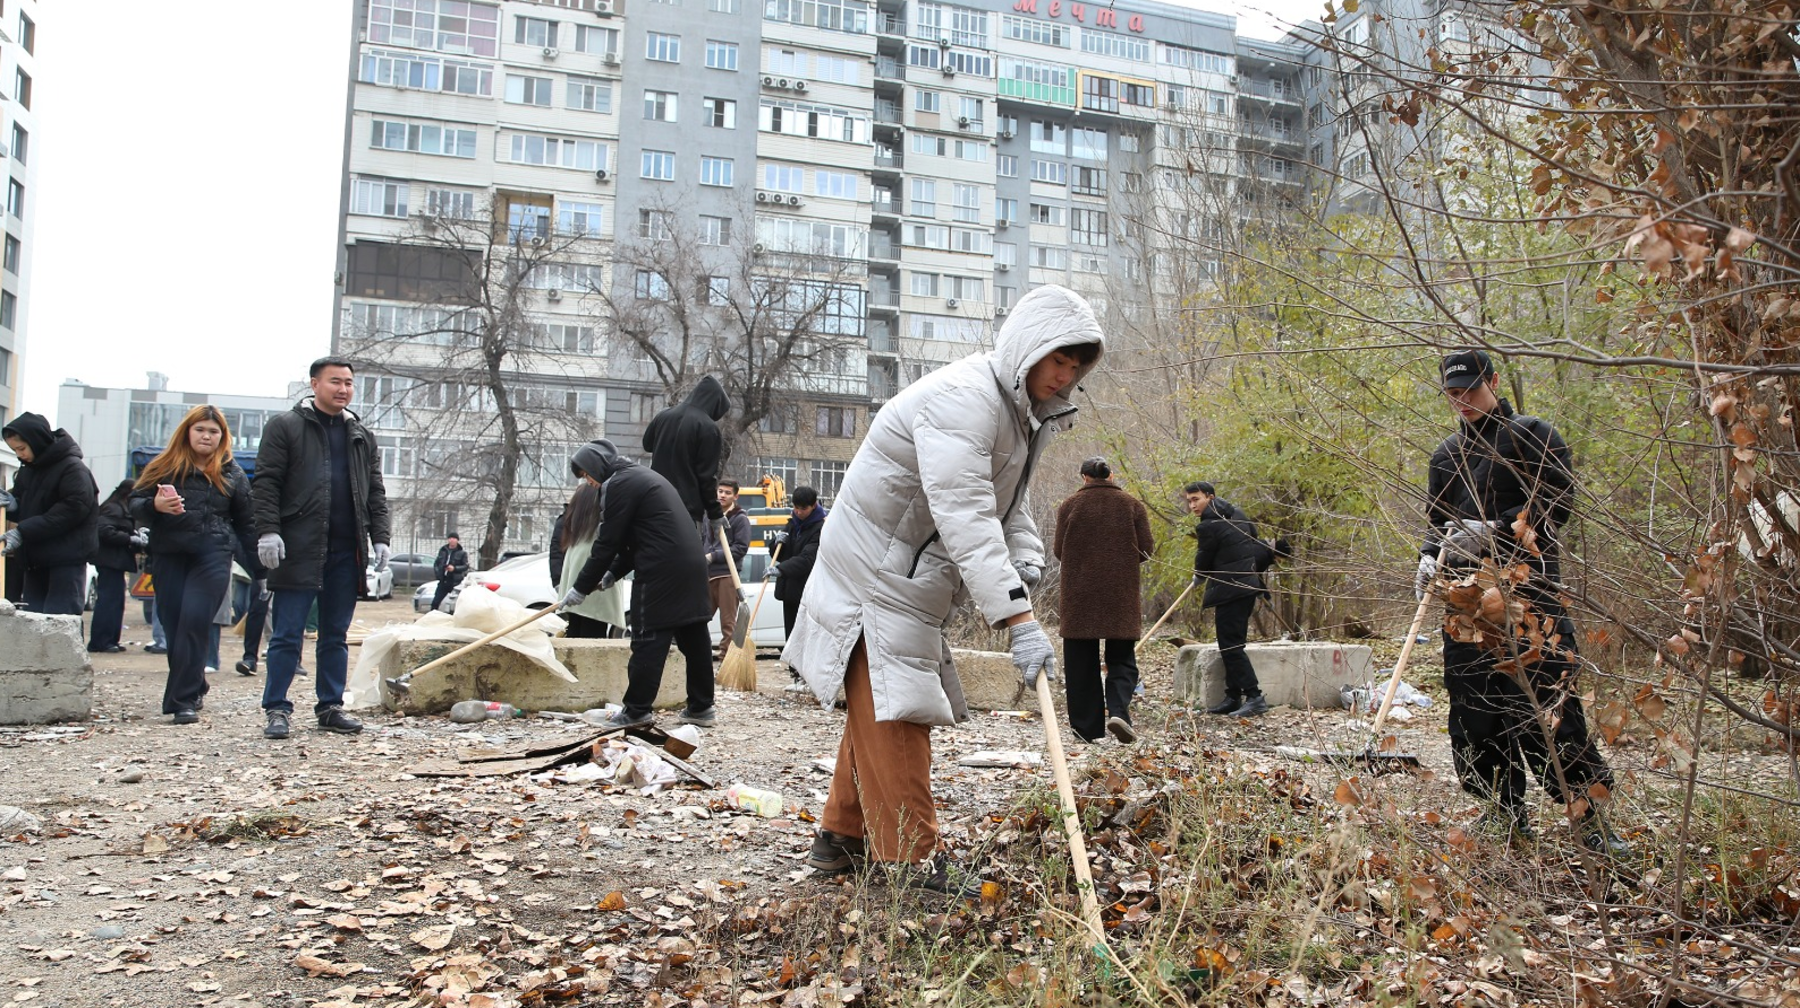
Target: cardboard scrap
(493,761)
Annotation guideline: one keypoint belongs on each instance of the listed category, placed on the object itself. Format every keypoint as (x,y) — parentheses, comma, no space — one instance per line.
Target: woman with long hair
(113,564)
(196,502)
(601,610)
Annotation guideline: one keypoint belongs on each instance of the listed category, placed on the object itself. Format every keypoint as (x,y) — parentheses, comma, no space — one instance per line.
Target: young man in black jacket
(1229,560)
(799,540)
(451,565)
(1499,488)
(56,504)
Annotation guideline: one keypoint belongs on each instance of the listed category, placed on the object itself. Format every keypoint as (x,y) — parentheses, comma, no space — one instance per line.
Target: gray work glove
(715,527)
(607,581)
(1427,573)
(1469,539)
(575,597)
(1032,653)
(7,501)
(778,536)
(270,550)
(382,552)
(1029,572)
(12,542)
(140,539)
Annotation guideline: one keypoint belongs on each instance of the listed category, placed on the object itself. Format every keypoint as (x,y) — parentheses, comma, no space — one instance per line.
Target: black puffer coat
(799,553)
(116,529)
(58,509)
(644,527)
(292,492)
(214,520)
(1495,468)
(1229,556)
(684,446)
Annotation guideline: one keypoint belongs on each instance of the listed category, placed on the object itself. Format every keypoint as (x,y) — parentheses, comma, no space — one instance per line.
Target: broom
(738,670)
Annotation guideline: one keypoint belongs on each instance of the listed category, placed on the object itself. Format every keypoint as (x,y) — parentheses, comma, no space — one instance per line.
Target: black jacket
(449,557)
(58,509)
(737,532)
(684,446)
(292,492)
(644,527)
(1229,556)
(799,553)
(556,546)
(116,529)
(213,520)
(1495,468)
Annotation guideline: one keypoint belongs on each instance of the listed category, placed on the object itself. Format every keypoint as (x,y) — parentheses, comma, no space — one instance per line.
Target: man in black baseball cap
(1466,369)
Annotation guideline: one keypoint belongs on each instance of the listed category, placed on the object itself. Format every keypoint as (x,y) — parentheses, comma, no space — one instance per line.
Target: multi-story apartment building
(18,124)
(830,197)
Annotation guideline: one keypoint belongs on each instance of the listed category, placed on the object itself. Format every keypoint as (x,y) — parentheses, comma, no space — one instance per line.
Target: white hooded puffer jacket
(933,510)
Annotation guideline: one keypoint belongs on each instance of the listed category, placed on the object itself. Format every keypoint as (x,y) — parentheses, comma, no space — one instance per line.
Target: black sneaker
(834,853)
(277,726)
(1253,707)
(1597,835)
(624,719)
(1512,824)
(186,715)
(246,668)
(933,877)
(699,718)
(1230,704)
(1121,729)
(333,719)
(156,649)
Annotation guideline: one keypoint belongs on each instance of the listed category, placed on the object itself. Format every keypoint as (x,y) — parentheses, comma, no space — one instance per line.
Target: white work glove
(607,581)
(270,550)
(382,552)
(1032,653)
(12,541)
(1469,539)
(1029,572)
(574,598)
(1427,573)
(7,501)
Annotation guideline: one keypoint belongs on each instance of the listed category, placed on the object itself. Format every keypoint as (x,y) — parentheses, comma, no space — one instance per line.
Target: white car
(378,584)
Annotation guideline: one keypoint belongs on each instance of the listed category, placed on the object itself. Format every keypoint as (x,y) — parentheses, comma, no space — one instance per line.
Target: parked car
(769,633)
(412,568)
(423,596)
(378,584)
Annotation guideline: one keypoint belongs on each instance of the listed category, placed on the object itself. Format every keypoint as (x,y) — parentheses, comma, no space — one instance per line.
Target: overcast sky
(188,190)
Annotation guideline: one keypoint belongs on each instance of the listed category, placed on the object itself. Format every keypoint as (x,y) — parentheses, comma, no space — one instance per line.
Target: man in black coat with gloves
(685,448)
(644,526)
(56,504)
(1229,560)
(451,564)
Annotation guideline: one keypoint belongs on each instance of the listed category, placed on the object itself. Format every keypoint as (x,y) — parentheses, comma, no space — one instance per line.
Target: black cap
(1466,369)
(1096,468)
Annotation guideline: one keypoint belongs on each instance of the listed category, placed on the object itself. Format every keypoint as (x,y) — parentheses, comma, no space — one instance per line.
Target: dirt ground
(203,864)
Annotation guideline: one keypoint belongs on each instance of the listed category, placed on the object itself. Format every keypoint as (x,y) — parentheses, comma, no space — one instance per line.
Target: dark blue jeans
(342,582)
(189,588)
(109,608)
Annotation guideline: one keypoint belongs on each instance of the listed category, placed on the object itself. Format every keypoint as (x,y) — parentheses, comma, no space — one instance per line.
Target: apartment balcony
(889,70)
(888,161)
(1270,91)
(884,204)
(890,24)
(884,251)
(1266,136)
(881,339)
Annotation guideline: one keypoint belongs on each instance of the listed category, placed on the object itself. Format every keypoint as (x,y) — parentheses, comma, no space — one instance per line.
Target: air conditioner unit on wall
(799,85)
(949,71)
(962,121)
(601,175)
(603,8)
(1003,267)
(793,201)
(610,59)
(553,294)
(762,197)
(1007,134)
(551,52)
(768,81)
(782,83)
(944,42)
(758,249)
(1001,310)
(950,302)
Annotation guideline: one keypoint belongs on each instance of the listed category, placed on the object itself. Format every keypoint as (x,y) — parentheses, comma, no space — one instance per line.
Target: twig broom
(738,670)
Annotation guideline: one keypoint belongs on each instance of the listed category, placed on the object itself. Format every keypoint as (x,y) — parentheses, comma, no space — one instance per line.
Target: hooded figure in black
(56,504)
(644,527)
(685,448)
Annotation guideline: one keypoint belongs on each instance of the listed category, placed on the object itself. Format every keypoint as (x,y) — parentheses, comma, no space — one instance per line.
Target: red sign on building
(1104,17)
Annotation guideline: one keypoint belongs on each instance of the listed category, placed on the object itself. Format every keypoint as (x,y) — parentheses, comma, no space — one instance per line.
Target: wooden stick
(489,639)
(1165,617)
(1406,650)
(1084,877)
(750,631)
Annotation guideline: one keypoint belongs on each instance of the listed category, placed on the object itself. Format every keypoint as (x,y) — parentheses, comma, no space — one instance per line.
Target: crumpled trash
(631,765)
(1366,697)
(16,820)
(1002,758)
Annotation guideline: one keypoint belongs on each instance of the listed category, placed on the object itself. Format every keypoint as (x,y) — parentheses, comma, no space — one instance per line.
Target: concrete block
(503,675)
(990,682)
(1295,673)
(45,675)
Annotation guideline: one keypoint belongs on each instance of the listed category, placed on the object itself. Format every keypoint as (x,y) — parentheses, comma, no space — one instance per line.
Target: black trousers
(109,608)
(256,620)
(54,591)
(444,587)
(189,588)
(1232,620)
(650,650)
(1090,702)
(790,613)
(1495,733)
(586,627)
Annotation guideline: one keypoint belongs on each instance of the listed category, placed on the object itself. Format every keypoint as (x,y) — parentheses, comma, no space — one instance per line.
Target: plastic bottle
(767,804)
(471,711)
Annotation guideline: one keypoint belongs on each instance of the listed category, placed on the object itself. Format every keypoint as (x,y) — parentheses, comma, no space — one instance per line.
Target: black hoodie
(643,527)
(684,446)
(58,507)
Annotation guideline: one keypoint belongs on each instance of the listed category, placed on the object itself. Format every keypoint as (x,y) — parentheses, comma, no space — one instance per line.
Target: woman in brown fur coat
(1102,535)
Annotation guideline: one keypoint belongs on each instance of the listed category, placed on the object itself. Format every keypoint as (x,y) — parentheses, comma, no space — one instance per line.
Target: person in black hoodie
(799,542)
(114,563)
(56,504)
(196,502)
(644,527)
(1229,560)
(685,448)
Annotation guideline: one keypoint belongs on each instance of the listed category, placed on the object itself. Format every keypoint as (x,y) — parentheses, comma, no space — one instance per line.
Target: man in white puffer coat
(932,512)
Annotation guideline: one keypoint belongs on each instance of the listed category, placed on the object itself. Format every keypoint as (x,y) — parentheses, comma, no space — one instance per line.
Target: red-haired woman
(196,502)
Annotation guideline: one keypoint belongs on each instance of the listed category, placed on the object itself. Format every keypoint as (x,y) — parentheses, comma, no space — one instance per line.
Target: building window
(534,31)
(574,218)
(1046,213)
(9,306)
(659,165)
(715,171)
(784,178)
(1087,143)
(453,26)
(969,108)
(1087,181)
(659,106)
(645,406)
(966,288)
(528,90)
(781,419)
(720,112)
(14,252)
(5,366)
(22,87)
(450,203)
(786,470)
(967,202)
(715,230)
(1049,257)
(15,198)
(21,140)
(924,284)
(1115,44)
(927,101)
(589,94)
(27,33)
(715,290)
(555,152)
(378,196)
(1048,137)
(1053,172)
(527,221)
(1006,211)
(851,16)
(834,421)
(419,138)
(597,40)
(924,198)
(427,73)
(828,478)
(722,6)
(835,184)
(1087,227)
(1006,166)
(721,55)
(662,48)
(649,285)
(656,224)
